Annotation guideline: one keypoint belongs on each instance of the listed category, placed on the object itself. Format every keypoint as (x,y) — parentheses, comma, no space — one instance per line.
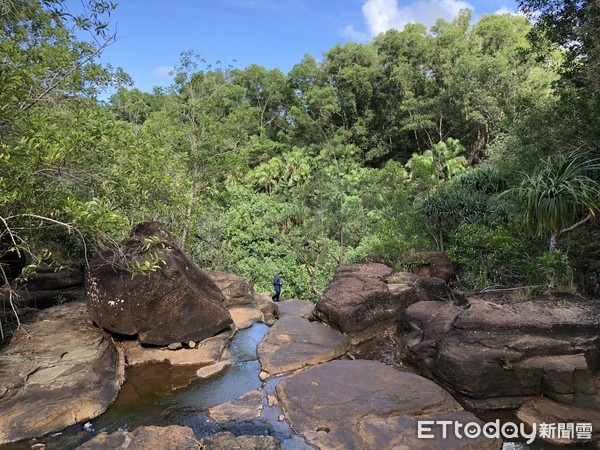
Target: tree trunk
(551,248)
(553,241)
(188,218)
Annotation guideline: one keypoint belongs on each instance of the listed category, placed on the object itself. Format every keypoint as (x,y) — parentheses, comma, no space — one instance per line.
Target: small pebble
(175,346)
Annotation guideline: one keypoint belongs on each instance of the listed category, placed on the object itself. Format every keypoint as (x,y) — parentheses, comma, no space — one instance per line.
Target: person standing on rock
(277,284)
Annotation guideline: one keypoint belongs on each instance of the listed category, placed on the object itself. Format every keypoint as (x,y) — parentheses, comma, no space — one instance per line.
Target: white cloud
(353,34)
(381,15)
(505,10)
(163,71)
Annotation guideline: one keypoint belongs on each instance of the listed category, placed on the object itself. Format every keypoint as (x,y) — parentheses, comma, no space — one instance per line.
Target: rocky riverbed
(298,376)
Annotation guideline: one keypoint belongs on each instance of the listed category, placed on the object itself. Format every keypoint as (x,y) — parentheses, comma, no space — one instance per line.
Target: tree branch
(576,225)
(100,49)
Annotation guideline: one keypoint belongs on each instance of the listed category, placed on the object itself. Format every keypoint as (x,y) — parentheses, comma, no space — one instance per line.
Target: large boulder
(359,298)
(496,355)
(432,264)
(178,302)
(63,370)
(426,288)
(368,405)
(238,291)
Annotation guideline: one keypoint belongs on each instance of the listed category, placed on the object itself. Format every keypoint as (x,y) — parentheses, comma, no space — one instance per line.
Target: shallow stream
(161,394)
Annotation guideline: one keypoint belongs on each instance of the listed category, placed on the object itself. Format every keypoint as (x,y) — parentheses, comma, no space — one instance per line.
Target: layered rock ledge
(61,371)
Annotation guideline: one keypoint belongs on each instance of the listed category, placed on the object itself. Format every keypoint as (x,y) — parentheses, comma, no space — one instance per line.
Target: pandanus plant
(561,196)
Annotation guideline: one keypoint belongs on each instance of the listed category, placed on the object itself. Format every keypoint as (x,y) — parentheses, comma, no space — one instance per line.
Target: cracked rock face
(498,355)
(368,405)
(64,370)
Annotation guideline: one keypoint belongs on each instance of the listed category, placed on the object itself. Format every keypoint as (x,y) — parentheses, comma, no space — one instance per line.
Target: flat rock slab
(365,404)
(143,438)
(63,371)
(247,407)
(209,351)
(294,307)
(294,342)
(245,316)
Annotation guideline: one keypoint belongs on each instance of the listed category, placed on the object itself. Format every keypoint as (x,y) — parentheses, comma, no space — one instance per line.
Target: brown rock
(63,371)
(267,307)
(294,307)
(227,441)
(542,410)
(426,288)
(237,290)
(367,405)
(500,355)
(433,264)
(359,298)
(245,316)
(247,407)
(176,303)
(206,352)
(213,369)
(294,342)
(142,438)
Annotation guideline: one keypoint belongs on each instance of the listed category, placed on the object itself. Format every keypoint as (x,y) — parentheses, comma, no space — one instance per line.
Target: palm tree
(563,195)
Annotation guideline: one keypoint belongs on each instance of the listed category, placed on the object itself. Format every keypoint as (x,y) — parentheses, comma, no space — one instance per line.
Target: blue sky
(151,34)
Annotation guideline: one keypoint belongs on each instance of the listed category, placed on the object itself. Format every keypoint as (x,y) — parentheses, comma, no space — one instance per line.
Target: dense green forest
(479,138)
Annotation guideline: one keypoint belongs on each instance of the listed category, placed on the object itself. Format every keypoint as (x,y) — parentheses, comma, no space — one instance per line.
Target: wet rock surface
(176,303)
(246,407)
(294,342)
(367,405)
(61,371)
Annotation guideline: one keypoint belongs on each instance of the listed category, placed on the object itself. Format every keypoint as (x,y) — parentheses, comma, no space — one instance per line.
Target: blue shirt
(277,283)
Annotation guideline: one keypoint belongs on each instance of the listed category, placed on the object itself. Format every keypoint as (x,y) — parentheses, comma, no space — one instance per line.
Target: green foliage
(489,257)
(153,263)
(255,172)
(556,267)
(561,193)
